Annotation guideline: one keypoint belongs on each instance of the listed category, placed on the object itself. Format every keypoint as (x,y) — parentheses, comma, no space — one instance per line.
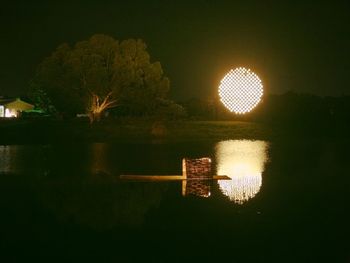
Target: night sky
(303,47)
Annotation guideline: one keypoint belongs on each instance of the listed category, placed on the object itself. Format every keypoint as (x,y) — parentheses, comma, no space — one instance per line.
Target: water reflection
(100,202)
(20,158)
(243,161)
(6,159)
(199,188)
(99,154)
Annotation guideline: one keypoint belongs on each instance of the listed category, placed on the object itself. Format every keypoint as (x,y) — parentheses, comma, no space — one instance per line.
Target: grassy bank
(127,130)
(148,130)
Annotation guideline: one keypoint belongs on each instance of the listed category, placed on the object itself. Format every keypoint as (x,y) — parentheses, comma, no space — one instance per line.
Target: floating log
(170,177)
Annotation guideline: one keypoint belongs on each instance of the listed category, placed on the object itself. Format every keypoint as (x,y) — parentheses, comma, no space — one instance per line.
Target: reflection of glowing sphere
(243,161)
(241,188)
(240,90)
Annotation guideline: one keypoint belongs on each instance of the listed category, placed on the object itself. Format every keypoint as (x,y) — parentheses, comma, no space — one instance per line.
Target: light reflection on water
(7,154)
(99,154)
(243,161)
(19,158)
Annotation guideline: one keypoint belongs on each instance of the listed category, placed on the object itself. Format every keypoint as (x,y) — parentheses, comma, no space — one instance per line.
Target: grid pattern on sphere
(240,90)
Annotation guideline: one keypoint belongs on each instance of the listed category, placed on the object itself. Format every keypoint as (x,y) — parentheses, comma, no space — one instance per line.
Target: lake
(288,201)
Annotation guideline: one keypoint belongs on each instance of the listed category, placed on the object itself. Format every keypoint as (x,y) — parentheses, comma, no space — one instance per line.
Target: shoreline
(45,131)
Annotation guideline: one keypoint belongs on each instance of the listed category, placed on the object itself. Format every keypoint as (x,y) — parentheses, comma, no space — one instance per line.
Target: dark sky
(290,45)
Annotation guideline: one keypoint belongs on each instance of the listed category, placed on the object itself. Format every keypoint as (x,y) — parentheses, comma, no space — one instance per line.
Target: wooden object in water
(131,177)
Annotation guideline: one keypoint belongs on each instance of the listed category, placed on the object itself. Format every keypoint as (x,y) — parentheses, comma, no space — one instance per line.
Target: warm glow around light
(240,90)
(243,161)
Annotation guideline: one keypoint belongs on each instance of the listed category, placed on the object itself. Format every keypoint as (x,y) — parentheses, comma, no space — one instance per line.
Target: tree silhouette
(101,73)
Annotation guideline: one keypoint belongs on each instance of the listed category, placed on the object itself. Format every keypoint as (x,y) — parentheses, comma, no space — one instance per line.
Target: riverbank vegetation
(136,130)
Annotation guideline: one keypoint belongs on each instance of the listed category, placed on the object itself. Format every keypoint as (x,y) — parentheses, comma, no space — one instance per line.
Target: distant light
(240,90)
(10,113)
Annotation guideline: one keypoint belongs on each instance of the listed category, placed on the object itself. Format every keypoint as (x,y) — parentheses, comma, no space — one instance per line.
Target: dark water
(286,202)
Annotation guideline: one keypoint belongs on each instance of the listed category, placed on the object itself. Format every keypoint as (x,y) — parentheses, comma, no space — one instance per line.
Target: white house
(12,108)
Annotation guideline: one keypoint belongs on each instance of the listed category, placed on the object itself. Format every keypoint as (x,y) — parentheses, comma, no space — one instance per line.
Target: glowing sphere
(240,90)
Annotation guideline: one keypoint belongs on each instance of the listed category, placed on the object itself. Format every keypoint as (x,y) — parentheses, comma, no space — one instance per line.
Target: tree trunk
(97,108)
(94,117)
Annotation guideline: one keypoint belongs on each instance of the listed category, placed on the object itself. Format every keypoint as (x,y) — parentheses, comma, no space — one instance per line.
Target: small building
(12,108)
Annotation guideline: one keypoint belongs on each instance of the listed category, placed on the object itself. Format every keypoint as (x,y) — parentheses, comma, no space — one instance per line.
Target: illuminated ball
(240,90)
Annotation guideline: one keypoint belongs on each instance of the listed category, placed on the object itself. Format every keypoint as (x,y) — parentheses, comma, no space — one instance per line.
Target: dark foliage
(300,113)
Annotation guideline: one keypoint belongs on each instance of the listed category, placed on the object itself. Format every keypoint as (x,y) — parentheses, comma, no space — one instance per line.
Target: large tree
(101,73)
